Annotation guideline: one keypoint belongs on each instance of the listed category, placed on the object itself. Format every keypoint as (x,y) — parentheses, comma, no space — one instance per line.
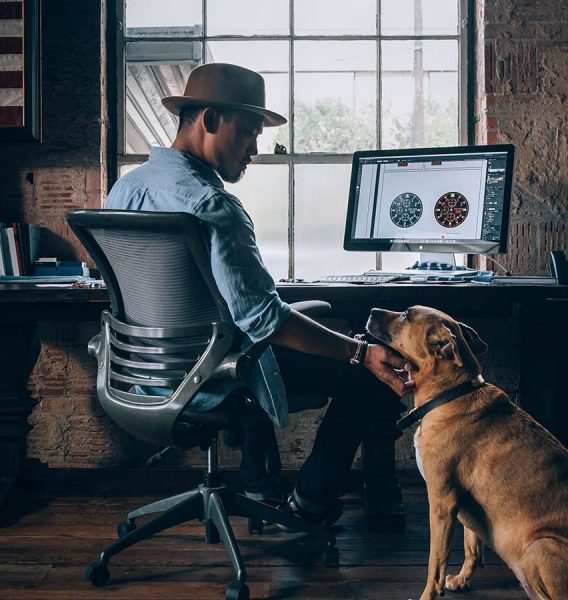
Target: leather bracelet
(359,357)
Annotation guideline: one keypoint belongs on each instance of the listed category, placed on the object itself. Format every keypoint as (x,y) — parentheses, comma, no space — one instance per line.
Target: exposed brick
(60,189)
(492,137)
(554,68)
(511,68)
(492,122)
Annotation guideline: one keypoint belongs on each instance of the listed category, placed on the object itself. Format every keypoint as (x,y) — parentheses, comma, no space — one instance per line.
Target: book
(34,236)
(24,239)
(19,246)
(5,249)
(2,267)
(12,251)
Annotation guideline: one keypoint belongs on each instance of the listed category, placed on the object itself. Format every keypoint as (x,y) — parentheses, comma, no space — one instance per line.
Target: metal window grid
(464,38)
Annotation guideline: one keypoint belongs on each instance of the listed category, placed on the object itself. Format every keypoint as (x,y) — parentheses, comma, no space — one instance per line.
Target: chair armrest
(233,366)
(94,346)
(238,364)
(311,308)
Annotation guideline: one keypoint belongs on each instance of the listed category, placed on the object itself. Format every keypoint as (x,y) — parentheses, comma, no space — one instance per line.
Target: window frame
(466,80)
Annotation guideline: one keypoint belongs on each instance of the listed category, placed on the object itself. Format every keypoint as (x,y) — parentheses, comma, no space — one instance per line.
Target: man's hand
(384,364)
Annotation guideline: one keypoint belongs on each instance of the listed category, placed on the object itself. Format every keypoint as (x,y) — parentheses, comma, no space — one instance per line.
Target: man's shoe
(326,519)
(273,499)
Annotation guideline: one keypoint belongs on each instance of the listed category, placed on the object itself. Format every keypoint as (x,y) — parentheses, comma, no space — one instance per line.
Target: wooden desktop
(540,313)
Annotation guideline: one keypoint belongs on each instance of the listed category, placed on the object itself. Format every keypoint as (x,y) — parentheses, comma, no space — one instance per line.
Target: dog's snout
(375,325)
(378,314)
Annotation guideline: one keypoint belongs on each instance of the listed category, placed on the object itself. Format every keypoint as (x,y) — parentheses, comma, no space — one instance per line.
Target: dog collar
(418,413)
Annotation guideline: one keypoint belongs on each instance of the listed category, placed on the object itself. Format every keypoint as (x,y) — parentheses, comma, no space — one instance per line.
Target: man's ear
(477,345)
(211,119)
(444,345)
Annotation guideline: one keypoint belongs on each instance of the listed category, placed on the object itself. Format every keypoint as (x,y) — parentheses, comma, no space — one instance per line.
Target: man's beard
(231,178)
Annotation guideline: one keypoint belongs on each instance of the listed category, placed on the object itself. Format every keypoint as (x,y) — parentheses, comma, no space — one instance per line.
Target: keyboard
(369,279)
(417,275)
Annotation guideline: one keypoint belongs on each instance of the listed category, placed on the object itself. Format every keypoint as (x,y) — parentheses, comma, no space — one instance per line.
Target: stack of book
(19,248)
(61,268)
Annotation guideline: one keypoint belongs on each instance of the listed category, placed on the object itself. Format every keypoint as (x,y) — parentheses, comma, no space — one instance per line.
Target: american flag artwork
(11,63)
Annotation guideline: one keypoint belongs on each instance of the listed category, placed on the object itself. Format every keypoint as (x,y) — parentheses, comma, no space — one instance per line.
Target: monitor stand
(436,261)
(431,264)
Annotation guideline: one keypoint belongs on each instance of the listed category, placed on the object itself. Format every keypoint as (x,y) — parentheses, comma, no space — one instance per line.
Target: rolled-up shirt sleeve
(241,276)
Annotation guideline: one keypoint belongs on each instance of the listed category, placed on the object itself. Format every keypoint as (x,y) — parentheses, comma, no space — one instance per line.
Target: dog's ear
(476,344)
(444,344)
(469,344)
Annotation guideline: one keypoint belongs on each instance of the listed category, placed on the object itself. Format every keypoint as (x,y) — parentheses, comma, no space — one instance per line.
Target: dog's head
(428,339)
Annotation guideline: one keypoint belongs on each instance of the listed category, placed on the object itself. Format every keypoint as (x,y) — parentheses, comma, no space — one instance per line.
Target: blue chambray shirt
(175,181)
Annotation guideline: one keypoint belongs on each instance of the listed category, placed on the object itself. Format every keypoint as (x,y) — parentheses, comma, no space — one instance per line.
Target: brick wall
(521,98)
(39,183)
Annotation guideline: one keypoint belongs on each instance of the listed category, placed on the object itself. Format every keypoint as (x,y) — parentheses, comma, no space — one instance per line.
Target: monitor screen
(430,199)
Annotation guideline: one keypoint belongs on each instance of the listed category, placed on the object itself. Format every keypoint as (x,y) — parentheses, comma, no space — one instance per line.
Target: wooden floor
(43,555)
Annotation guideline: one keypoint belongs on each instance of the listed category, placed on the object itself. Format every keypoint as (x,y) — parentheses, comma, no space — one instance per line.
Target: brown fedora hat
(221,84)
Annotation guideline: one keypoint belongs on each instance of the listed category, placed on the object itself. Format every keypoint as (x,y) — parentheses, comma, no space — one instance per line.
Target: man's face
(234,143)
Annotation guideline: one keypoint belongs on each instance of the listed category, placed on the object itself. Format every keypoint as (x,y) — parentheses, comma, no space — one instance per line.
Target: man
(222,112)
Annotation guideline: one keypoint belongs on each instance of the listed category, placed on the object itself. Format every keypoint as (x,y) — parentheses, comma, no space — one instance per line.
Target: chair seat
(198,428)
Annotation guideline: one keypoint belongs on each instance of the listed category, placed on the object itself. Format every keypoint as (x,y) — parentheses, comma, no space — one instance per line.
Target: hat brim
(175,103)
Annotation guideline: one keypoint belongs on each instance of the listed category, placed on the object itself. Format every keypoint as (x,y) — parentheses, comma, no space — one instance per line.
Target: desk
(539,311)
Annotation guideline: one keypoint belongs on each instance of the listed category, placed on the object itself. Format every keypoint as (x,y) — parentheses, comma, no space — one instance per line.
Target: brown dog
(485,461)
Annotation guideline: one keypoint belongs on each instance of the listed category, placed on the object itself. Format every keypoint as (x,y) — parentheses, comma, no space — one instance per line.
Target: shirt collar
(171,156)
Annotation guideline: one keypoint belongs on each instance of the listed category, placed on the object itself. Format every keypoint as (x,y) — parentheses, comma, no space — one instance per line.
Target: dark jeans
(361,408)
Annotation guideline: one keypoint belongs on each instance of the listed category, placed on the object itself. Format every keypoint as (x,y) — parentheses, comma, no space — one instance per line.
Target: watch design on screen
(451,209)
(406,210)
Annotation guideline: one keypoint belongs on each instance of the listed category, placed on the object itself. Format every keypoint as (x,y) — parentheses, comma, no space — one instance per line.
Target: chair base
(212,505)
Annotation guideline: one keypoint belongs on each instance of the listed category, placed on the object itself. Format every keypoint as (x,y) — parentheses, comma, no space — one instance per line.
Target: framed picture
(20,104)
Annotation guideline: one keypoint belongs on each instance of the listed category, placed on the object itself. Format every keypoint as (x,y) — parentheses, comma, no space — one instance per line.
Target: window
(347,75)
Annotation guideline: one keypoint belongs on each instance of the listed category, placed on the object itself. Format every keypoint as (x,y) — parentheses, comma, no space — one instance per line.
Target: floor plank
(44,552)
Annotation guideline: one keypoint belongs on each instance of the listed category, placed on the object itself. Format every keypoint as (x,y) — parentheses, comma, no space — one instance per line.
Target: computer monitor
(451,200)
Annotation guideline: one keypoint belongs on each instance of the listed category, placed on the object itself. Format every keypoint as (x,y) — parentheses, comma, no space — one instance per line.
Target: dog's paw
(456,583)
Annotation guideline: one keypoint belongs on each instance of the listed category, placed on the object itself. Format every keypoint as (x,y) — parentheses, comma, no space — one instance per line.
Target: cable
(507,272)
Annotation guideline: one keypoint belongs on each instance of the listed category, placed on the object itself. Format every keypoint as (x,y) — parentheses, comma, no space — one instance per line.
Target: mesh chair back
(155,265)
(158,278)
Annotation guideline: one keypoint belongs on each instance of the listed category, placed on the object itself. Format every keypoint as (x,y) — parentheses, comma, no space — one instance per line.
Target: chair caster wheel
(237,591)
(255,526)
(97,573)
(123,529)
(331,556)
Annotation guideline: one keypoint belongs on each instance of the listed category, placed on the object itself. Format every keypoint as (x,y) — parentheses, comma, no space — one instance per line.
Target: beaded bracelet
(359,356)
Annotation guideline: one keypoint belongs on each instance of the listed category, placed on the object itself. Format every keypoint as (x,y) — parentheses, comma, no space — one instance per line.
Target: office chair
(170,332)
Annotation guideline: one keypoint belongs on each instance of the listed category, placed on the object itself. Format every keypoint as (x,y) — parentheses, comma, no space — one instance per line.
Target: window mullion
(378,107)
(291,170)
(204,31)
(121,76)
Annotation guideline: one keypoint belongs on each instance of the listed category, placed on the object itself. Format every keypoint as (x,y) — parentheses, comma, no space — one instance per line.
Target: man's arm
(305,335)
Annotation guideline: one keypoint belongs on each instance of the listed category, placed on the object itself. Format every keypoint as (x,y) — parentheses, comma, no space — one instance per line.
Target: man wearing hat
(221,114)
